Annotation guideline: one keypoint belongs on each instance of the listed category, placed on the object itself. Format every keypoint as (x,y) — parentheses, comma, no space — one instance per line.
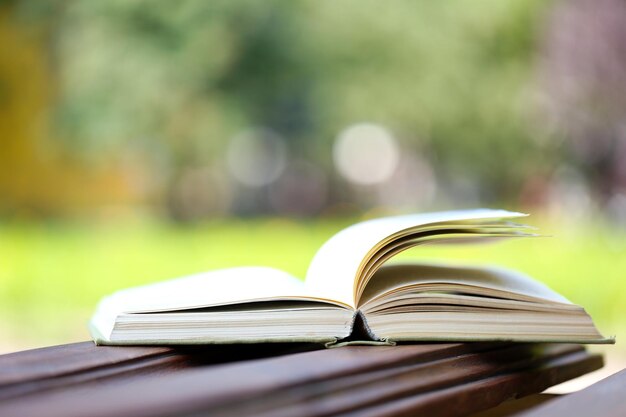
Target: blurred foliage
(142,90)
(37,177)
(122,102)
(450,74)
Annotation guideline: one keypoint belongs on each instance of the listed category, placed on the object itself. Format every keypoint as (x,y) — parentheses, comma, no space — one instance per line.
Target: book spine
(361,334)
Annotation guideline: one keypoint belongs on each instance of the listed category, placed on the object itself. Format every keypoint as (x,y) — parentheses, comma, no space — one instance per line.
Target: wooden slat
(482,394)
(359,393)
(72,370)
(516,406)
(49,362)
(325,382)
(605,398)
(42,369)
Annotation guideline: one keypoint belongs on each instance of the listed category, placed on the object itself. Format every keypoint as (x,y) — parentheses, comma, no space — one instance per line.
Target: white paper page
(398,275)
(332,273)
(226,286)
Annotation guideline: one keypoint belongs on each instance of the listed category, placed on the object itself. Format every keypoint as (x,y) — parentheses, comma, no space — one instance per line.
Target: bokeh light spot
(256,157)
(366,153)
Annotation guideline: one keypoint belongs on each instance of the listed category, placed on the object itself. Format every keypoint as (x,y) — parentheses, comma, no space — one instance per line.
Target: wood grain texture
(451,379)
(605,398)
(50,362)
(38,370)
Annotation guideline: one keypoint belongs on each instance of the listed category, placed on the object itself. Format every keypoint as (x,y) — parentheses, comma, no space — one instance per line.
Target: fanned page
(337,267)
(495,281)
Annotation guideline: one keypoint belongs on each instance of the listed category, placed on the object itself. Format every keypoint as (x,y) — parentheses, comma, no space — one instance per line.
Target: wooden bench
(281,380)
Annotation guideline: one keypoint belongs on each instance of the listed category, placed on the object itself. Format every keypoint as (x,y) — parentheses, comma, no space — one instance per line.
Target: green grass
(52,275)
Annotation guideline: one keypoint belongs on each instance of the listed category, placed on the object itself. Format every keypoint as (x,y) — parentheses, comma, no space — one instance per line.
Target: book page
(393,277)
(221,287)
(334,269)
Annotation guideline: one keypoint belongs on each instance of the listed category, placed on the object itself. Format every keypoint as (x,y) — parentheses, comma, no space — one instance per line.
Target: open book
(351,294)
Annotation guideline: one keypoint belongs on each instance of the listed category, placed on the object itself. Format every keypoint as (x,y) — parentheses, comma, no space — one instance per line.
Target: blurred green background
(143,140)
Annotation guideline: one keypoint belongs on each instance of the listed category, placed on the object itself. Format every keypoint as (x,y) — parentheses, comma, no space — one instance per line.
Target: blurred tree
(454,76)
(583,75)
(23,92)
(37,178)
(163,88)
(451,75)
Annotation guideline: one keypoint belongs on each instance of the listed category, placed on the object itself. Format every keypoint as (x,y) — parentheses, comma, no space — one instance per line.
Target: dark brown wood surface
(281,380)
(606,398)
